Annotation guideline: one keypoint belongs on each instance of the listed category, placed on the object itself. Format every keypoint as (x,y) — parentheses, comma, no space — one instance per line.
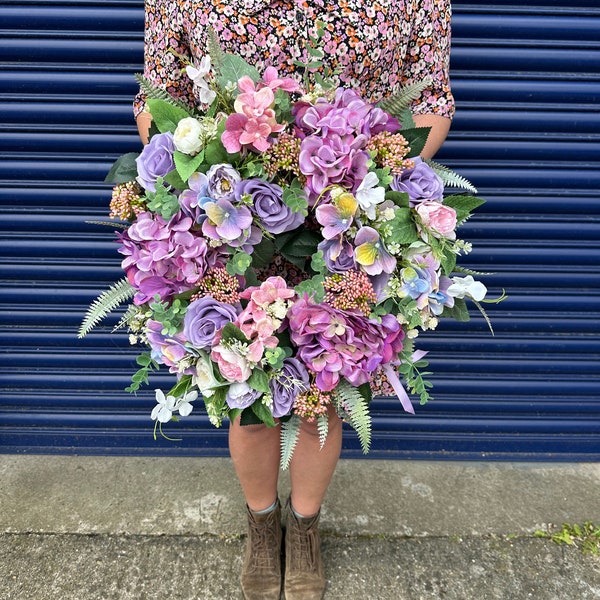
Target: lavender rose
(241,395)
(268,205)
(292,381)
(156,160)
(420,183)
(204,318)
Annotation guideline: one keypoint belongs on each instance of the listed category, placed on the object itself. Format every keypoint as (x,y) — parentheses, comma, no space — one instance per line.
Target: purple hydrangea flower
(192,200)
(156,160)
(285,387)
(164,258)
(421,183)
(335,343)
(166,350)
(268,205)
(204,318)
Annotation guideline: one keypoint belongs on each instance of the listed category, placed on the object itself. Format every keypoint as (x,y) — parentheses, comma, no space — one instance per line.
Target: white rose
(188,136)
(204,377)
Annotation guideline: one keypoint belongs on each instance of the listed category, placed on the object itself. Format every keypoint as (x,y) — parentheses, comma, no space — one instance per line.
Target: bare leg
(255,453)
(311,467)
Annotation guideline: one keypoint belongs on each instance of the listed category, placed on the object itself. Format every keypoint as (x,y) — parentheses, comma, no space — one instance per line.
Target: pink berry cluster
(391,150)
(312,403)
(283,155)
(220,285)
(350,290)
(126,201)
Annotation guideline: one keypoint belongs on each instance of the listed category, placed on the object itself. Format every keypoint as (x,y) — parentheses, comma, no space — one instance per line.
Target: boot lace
(264,544)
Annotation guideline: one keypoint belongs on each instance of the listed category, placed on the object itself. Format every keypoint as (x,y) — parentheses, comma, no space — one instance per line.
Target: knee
(311,427)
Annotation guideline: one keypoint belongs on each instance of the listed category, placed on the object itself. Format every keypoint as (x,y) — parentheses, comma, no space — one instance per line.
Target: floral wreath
(283,245)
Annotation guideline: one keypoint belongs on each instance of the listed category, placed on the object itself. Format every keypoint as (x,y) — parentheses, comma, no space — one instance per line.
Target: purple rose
(156,160)
(241,395)
(222,179)
(420,183)
(268,205)
(287,385)
(204,318)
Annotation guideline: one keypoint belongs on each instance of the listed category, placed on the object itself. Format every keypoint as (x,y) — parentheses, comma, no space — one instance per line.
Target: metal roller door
(527,84)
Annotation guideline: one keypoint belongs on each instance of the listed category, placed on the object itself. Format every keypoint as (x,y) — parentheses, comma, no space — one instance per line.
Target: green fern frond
(106,302)
(323,427)
(400,101)
(214,49)
(351,403)
(109,224)
(290,430)
(131,311)
(473,272)
(449,177)
(155,93)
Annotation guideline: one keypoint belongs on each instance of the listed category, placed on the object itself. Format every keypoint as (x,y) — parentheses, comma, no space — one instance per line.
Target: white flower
(467,286)
(184,405)
(369,194)
(204,378)
(163,411)
(167,405)
(197,75)
(188,136)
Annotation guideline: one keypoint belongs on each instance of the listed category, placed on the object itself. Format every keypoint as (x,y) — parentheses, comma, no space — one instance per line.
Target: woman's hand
(144,120)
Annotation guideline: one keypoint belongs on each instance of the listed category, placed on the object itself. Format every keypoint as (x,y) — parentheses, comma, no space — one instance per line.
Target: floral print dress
(376,45)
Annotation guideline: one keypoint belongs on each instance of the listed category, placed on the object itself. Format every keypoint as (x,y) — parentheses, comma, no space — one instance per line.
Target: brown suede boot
(261,571)
(304,572)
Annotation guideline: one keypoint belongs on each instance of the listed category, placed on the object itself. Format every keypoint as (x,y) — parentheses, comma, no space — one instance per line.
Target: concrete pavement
(100,528)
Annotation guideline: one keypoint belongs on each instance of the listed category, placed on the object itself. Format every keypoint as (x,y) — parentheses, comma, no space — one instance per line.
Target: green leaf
(448,262)
(463,205)
(312,287)
(215,153)
(165,115)
(233,68)
(124,169)
(303,243)
(181,387)
(186,165)
(174,179)
(403,229)
(400,102)
(248,417)
(238,263)
(263,413)
(417,137)
(459,311)
(294,196)
(232,333)
(400,199)
(259,381)
(263,253)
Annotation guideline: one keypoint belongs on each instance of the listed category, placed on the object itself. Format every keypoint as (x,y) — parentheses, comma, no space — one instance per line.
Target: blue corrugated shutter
(527,83)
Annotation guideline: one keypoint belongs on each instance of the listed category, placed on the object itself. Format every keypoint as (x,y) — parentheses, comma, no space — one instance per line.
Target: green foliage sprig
(107,301)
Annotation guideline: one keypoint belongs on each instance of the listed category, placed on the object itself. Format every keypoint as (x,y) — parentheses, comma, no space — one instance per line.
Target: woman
(375,46)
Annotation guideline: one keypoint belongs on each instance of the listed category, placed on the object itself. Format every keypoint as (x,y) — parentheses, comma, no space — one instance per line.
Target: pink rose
(232,366)
(439,219)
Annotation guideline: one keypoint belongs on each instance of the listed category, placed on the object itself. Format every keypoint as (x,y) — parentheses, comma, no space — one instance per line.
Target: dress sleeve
(428,55)
(165,51)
